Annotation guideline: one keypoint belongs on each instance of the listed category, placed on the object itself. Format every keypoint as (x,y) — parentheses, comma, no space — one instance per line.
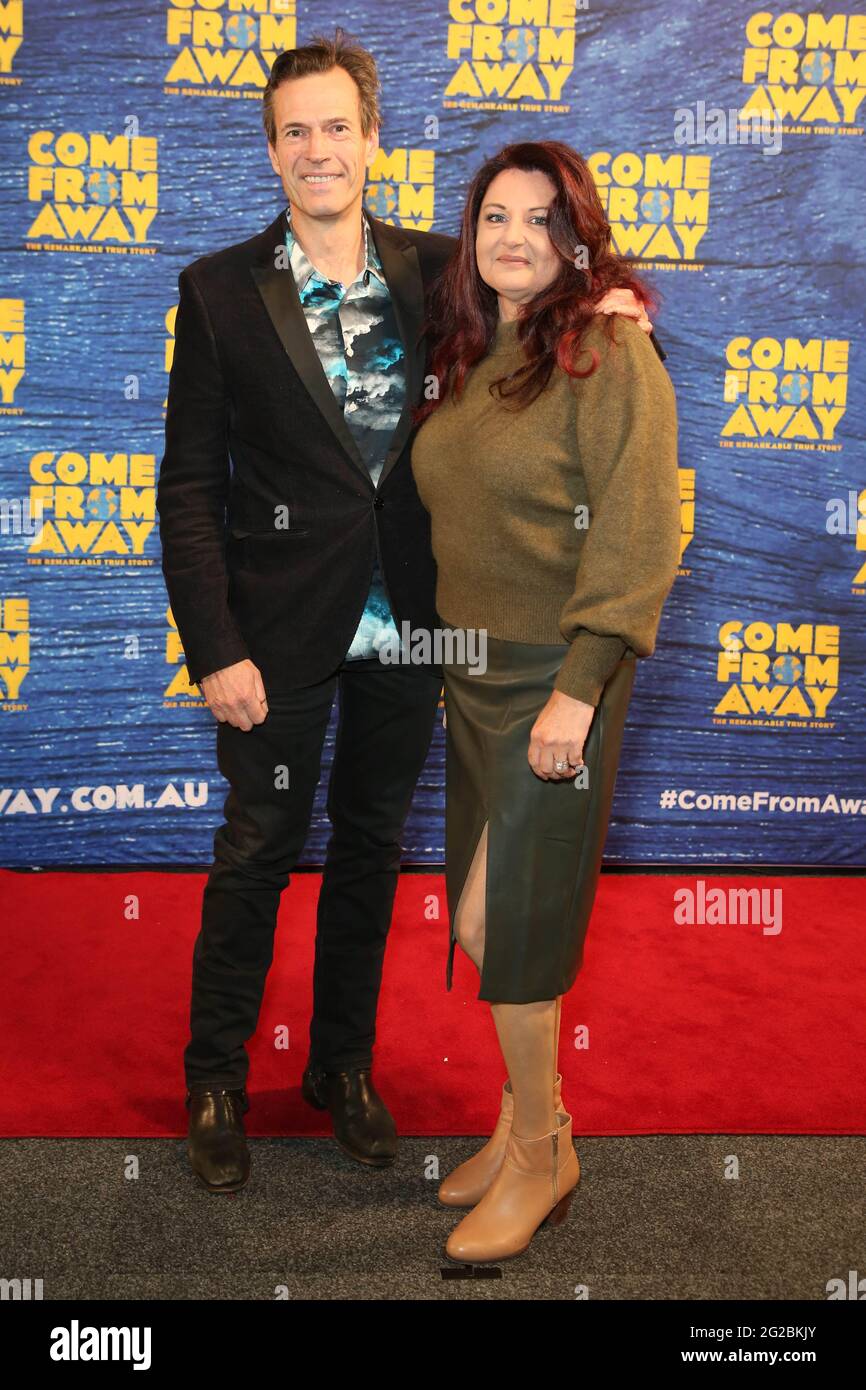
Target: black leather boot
(217,1145)
(363,1126)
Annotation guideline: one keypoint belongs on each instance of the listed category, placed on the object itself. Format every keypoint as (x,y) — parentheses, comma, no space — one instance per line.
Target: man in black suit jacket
(274,525)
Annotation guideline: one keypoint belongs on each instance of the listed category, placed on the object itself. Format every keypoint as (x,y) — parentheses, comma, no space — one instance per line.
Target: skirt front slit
(545,839)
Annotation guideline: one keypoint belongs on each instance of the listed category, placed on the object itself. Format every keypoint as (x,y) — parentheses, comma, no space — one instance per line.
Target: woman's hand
(559,734)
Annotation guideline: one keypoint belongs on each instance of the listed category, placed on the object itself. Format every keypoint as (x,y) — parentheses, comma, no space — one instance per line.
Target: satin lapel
(280,295)
(399,259)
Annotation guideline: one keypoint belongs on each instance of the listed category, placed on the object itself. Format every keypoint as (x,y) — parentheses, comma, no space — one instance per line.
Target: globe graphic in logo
(794,387)
(520,45)
(382,199)
(241,31)
(655,205)
(787,669)
(816,68)
(103,186)
(101,503)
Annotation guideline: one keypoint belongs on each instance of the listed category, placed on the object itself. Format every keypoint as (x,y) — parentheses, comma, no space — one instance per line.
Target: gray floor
(653,1218)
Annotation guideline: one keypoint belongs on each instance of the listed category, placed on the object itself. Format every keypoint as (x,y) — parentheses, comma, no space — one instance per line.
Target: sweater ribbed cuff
(589,663)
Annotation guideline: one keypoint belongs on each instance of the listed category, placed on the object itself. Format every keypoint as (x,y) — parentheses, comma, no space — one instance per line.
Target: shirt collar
(303,268)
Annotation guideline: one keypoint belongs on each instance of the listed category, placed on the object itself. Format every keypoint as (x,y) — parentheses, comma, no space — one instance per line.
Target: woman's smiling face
(513,249)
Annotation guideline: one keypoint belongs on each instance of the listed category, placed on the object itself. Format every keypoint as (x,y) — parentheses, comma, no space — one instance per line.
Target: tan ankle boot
(534,1186)
(467,1184)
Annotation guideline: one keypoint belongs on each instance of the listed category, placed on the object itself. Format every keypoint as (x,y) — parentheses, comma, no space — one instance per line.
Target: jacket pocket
(273,535)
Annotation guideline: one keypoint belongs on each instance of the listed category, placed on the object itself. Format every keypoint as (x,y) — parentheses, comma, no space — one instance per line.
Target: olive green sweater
(559,522)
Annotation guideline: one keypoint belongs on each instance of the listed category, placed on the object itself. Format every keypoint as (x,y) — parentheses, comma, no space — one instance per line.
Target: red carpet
(692,1029)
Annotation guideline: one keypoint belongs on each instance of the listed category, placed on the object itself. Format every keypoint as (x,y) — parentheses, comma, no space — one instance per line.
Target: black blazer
(252,425)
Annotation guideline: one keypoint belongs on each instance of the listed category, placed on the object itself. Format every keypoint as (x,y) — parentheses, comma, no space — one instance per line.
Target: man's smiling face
(321,153)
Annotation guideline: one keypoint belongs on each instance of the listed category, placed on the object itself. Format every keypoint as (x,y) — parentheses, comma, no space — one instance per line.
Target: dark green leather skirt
(545,839)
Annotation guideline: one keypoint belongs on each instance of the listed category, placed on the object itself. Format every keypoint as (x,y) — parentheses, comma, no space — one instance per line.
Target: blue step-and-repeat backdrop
(727,142)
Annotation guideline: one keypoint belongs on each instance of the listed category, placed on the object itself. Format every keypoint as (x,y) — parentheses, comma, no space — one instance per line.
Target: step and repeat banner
(727,142)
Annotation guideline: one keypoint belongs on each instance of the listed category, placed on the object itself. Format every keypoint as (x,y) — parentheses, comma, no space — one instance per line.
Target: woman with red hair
(547,459)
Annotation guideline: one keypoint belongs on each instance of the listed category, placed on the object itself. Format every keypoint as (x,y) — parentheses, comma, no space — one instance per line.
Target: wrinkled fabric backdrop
(747,735)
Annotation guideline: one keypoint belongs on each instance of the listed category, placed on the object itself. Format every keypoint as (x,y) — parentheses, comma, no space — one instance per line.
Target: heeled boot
(533,1188)
(467,1184)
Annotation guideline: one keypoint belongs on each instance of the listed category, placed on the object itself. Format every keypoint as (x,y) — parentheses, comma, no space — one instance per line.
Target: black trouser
(385,724)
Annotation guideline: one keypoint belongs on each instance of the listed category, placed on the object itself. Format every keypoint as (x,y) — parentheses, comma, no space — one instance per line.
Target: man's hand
(625,302)
(236,695)
(559,733)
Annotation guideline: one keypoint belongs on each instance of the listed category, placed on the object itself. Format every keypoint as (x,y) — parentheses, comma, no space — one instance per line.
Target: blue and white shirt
(355,333)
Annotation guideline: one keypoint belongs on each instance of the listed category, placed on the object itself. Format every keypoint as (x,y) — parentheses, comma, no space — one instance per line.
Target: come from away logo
(14,651)
(11,34)
(97,193)
(179,693)
(847,517)
(658,205)
(859,581)
(96,509)
(788,390)
(170,318)
(12,347)
(401,189)
(510,55)
(809,69)
(777,674)
(687,512)
(226,48)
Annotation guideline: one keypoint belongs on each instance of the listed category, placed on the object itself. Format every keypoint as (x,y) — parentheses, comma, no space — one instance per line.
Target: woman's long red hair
(463,310)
